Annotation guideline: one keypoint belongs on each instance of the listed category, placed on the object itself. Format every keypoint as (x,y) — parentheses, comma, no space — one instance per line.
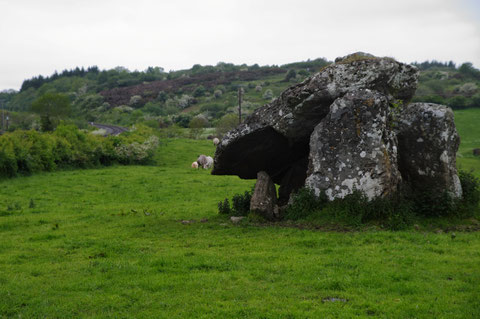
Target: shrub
(137,153)
(196,125)
(457,102)
(291,74)
(241,203)
(8,163)
(26,152)
(184,101)
(199,91)
(429,204)
(226,123)
(224,207)
(217,94)
(268,94)
(304,203)
(394,211)
(136,101)
(471,193)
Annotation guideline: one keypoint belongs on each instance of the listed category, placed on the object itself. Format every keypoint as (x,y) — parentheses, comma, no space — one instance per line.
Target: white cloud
(39,37)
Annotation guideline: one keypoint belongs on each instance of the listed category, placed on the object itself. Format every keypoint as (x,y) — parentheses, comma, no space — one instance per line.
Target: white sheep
(194,165)
(202,160)
(209,163)
(216,141)
(205,161)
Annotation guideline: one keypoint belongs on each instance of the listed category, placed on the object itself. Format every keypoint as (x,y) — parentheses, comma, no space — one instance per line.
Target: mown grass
(147,242)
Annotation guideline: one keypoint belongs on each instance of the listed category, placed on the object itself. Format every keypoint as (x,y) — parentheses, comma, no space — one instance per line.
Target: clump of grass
(396,211)
(471,190)
(354,209)
(304,203)
(240,205)
(224,207)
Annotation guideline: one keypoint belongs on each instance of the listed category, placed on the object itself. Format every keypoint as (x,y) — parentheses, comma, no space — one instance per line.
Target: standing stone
(428,143)
(264,198)
(476,152)
(354,148)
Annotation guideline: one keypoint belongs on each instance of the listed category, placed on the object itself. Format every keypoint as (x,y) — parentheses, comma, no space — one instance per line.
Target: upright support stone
(428,143)
(354,148)
(264,198)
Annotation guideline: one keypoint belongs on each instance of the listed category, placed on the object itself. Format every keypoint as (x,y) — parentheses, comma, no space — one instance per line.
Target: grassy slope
(468,126)
(109,243)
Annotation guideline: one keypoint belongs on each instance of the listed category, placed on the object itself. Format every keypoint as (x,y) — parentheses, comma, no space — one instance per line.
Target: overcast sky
(41,36)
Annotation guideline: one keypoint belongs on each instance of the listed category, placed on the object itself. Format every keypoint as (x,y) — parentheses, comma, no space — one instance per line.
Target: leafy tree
(268,95)
(51,107)
(88,102)
(226,123)
(197,124)
(467,69)
(153,108)
(475,100)
(162,97)
(135,101)
(291,74)
(199,91)
(182,120)
(457,102)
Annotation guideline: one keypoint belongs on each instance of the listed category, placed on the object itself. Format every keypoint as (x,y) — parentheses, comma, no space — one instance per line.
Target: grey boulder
(428,143)
(354,148)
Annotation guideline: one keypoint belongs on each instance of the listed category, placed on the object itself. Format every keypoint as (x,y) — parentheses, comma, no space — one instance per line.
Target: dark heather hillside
(121,96)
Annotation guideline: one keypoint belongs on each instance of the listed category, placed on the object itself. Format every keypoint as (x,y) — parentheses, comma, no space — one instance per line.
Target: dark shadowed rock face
(353,148)
(428,142)
(276,137)
(264,198)
(292,180)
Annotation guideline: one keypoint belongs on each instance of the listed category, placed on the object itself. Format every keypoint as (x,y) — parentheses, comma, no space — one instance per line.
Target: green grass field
(468,126)
(147,242)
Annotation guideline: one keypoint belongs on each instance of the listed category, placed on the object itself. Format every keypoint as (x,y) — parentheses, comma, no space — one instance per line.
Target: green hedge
(27,152)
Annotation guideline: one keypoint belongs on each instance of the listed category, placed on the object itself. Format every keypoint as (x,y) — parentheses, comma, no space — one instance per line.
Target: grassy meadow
(468,126)
(147,242)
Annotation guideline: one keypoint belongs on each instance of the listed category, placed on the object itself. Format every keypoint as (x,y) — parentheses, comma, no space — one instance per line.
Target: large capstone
(276,137)
(427,143)
(354,148)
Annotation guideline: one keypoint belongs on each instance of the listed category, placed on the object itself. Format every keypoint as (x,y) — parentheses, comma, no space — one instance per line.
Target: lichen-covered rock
(355,56)
(264,197)
(277,135)
(354,148)
(427,143)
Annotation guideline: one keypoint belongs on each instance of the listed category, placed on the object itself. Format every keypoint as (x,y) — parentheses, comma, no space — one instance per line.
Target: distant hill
(156,97)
